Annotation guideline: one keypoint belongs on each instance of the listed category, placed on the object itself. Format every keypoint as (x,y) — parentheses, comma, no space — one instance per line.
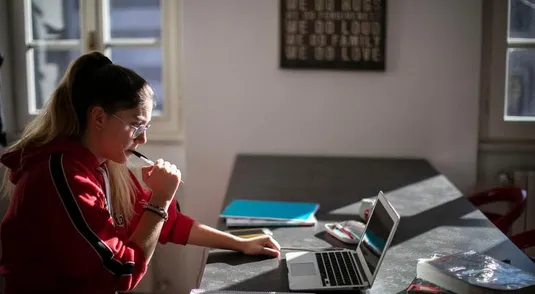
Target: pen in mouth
(142,157)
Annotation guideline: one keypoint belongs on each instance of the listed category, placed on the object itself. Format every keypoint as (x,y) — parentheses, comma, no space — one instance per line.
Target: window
(508,70)
(139,34)
(520,74)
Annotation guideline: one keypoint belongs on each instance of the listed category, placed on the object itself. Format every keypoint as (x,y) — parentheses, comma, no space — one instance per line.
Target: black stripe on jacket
(75,214)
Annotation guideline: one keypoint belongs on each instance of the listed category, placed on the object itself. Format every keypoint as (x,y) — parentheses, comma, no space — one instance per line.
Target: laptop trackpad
(302,269)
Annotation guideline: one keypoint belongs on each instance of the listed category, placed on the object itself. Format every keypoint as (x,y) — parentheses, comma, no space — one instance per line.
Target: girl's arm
(206,236)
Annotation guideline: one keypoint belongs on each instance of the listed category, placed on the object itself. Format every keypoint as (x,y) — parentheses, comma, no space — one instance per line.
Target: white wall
(238,100)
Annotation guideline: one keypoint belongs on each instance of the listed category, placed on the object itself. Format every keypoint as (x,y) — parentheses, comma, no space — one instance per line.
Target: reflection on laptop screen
(379,227)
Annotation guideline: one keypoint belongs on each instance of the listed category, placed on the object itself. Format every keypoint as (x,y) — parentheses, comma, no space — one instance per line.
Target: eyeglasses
(138,131)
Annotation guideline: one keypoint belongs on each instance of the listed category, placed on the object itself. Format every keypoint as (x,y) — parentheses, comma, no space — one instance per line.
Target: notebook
(249,222)
(266,209)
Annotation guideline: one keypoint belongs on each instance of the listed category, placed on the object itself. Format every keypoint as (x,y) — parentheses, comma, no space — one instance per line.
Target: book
(472,272)
(250,232)
(266,209)
(249,222)
(422,286)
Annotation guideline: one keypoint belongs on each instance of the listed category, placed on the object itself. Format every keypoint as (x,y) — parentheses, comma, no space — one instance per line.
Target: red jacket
(58,236)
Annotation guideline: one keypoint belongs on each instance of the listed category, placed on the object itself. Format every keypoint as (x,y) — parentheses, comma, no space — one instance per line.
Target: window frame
(6,78)
(167,126)
(494,78)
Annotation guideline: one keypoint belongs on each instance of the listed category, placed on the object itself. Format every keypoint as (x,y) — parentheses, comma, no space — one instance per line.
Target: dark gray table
(435,217)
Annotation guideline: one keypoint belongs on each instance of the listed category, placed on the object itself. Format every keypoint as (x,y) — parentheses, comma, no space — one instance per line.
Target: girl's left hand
(261,245)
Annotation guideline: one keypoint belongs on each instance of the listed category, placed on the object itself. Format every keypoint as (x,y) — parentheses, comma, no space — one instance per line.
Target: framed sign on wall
(333,34)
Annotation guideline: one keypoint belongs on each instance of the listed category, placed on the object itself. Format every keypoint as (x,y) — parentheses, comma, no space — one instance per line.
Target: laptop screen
(379,227)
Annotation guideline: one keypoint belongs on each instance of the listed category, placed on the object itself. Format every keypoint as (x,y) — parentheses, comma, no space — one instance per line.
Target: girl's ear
(98,117)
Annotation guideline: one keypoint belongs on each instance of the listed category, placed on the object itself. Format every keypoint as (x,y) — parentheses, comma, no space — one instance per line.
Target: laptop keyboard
(337,269)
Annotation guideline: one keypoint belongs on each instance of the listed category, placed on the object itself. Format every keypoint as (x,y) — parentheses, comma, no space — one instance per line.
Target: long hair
(91,80)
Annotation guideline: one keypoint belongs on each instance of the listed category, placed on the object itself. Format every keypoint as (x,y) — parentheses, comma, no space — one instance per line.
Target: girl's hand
(163,179)
(261,245)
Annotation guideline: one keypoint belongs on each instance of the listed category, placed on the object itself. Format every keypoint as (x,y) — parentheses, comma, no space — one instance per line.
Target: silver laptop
(347,269)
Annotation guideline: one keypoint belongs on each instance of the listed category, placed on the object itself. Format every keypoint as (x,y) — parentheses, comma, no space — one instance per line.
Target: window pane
(522,19)
(147,62)
(55,19)
(520,99)
(135,18)
(49,67)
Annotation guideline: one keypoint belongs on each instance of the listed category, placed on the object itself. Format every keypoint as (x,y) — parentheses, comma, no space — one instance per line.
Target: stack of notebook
(266,213)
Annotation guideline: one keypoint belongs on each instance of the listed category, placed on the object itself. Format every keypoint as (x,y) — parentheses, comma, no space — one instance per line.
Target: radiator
(525,179)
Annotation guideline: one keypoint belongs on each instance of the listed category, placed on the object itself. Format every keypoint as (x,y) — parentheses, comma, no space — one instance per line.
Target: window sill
(507,146)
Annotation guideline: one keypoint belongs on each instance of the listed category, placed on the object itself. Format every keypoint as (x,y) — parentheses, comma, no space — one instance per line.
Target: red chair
(524,240)
(513,195)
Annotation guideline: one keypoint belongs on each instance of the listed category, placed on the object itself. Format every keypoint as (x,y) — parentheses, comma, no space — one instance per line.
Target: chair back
(513,195)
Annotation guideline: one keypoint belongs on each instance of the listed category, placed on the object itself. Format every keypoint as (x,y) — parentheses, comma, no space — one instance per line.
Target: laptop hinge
(363,275)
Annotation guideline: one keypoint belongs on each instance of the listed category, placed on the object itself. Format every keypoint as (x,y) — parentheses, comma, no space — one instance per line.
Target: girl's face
(125,130)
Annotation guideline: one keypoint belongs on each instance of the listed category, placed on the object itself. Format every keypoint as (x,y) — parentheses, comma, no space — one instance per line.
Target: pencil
(347,232)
